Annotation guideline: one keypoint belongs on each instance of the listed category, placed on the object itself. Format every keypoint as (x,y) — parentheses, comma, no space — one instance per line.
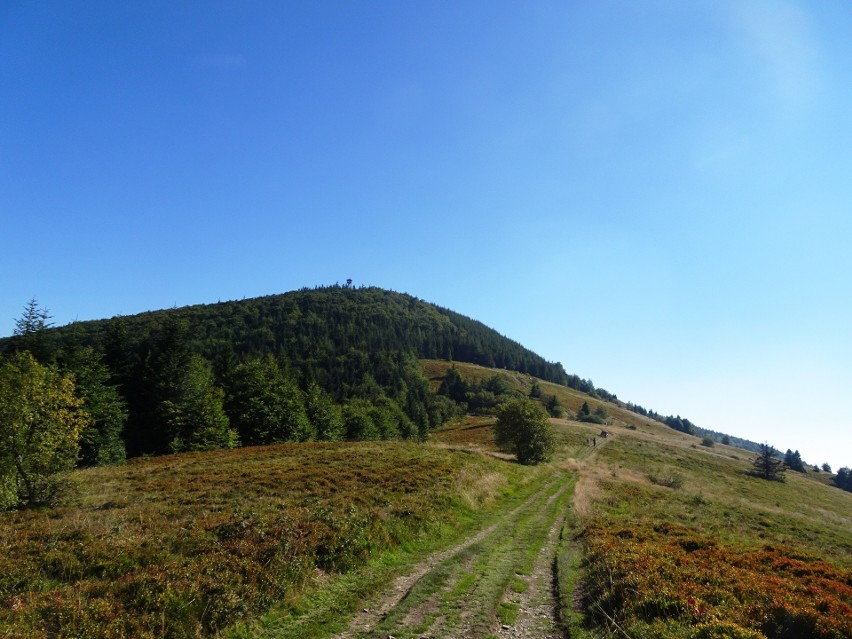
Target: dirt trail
(368,617)
(537,606)
(454,586)
(459,593)
(402,585)
(538,613)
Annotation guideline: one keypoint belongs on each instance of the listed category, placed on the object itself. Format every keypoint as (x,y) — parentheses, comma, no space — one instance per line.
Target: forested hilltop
(325,363)
(315,326)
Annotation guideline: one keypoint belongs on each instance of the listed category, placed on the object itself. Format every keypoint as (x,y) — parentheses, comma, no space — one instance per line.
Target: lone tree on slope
(523,429)
(767,465)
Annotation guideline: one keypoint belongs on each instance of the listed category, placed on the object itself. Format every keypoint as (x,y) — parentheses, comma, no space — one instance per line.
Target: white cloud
(781,37)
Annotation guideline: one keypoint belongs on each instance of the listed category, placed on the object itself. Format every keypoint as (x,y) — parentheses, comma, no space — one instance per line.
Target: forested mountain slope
(317,326)
(318,352)
(325,363)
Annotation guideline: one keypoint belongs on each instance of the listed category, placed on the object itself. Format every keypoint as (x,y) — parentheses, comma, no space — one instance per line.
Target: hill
(350,343)
(355,348)
(316,326)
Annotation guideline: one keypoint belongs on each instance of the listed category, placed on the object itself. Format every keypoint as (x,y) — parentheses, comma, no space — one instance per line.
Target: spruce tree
(101,442)
(196,418)
(30,332)
(843,479)
(767,465)
(793,460)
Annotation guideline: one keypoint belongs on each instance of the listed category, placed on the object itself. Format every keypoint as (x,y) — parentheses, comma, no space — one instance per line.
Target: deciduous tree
(265,405)
(523,429)
(40,424)
(554,407)
(358,423)
(325,416)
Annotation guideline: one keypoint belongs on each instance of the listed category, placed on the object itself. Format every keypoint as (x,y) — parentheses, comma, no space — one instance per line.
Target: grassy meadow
(676,539)
(671,539)
(185,545)
(662,538)
(682,541)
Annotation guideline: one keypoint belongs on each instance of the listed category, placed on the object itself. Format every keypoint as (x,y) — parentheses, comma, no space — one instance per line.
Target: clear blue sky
(656,194)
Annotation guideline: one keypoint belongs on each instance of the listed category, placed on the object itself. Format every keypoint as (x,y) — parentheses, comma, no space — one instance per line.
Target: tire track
(444,562)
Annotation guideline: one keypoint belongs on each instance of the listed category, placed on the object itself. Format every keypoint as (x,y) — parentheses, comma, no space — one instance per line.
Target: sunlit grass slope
(569,398)
(666,537)
(676,539)
(184,545)
(682,541)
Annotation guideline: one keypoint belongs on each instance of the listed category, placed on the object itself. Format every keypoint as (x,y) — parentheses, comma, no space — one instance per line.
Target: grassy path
(498,581)
(460,592)
(535,595)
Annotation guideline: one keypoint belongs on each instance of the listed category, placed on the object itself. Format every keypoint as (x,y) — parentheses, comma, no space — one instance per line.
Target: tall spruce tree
(843,479)
(195,417)
(767,465)
(101,441)
(30,332)
(793,460)
(265,405)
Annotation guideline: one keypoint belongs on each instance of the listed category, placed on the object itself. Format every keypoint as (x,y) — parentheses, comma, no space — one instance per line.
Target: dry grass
(722,554)
(184,545)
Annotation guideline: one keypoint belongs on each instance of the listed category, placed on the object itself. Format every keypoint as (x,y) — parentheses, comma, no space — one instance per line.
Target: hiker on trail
(595,442)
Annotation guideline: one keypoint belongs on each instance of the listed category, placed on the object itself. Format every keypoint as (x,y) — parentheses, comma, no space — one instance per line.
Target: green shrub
(522,428)
(669,480)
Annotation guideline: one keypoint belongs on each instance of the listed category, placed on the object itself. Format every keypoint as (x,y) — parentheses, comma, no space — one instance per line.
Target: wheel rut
(454,593)
(537,605)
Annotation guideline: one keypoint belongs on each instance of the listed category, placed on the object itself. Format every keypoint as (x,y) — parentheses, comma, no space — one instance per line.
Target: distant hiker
(595,442)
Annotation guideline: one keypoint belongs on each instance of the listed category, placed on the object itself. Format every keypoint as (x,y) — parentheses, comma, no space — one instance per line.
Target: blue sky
(656,194)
